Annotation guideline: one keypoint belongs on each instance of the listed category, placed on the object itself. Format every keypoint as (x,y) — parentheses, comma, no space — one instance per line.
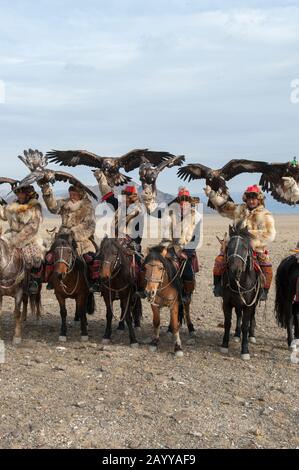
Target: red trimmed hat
(253,189)
(129,190)
(183,193)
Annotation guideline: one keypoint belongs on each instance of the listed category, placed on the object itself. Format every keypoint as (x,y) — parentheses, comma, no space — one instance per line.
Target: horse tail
(91,305)
(283,298)
(35,303)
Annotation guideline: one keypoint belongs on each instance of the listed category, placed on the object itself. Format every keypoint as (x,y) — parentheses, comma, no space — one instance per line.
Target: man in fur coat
(181,228)
(260,224)
(78,220)
(24,217)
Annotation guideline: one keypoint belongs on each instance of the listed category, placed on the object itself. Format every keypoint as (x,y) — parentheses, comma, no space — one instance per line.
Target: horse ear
(164,252)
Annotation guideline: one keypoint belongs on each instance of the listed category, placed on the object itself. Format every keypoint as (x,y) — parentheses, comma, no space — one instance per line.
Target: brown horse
(70,282)
(163,289)
(14,283)
(117,283)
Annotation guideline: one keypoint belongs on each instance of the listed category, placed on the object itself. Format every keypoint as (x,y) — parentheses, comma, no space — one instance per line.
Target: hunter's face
(252,202)
(22,197)
(75,196)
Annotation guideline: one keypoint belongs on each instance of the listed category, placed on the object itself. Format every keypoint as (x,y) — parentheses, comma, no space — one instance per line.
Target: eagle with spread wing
(41,174)
(217,179)
(280,179)
(109,165)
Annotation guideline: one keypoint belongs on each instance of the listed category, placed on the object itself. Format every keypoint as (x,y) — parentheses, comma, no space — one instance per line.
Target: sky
(207,79)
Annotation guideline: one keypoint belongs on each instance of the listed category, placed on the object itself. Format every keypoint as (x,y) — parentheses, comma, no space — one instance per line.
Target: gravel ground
(86,395)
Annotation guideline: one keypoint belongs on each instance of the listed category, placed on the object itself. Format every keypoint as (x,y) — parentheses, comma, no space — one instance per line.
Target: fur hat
(28,190)
(254,190)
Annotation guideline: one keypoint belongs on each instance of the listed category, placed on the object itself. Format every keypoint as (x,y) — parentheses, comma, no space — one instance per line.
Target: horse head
(239,250)
(64,249)
(111,258)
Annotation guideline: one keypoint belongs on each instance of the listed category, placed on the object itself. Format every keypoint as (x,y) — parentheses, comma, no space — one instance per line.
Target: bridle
(240,289)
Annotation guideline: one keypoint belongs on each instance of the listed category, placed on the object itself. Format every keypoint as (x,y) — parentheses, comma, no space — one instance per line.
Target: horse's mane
(155,255)
(63,240)
(239,229)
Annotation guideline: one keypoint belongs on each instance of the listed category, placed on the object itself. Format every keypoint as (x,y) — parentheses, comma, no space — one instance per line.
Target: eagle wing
(194,171)
(10,181)
(67,177)
(75,157)
(171,162)
(236,167)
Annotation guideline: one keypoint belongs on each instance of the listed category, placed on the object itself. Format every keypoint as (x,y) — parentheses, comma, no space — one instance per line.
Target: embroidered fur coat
(259,221)
(78,219)
(24,222)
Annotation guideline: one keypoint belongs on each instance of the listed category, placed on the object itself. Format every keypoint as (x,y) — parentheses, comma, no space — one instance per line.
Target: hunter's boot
(218,290)
(188,288)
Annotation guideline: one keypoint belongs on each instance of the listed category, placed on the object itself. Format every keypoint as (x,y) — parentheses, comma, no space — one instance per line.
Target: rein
(19,276)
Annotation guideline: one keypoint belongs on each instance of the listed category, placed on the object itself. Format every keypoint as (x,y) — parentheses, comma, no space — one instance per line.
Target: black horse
(286,308)
(241,288)
(117,283)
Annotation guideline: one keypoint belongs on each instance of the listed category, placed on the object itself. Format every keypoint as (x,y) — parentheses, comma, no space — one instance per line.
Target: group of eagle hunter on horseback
(75,267)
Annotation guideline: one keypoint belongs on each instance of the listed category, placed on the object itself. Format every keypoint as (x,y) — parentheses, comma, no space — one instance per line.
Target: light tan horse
(163,289)
(13,283)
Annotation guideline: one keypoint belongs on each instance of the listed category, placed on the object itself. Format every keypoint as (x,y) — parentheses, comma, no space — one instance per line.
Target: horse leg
(156,323)
(252,326)
(109,315)
(25,307)
(175,326)
(290,323)
(190,326)
(237,335)
(227,310)
(81,308)
(137,312)
(18,317)
(248,313)
(296,321)
(63,314)
(126,311)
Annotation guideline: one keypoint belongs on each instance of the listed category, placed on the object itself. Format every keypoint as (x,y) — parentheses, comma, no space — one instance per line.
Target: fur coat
(24,222)
(78,219)
(182,233)
(259,221)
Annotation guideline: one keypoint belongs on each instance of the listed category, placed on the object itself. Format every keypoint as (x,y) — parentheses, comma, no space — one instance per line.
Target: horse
(69,280)
(241,288)
(287,300)
(14,280)
(163,289)
(117,282)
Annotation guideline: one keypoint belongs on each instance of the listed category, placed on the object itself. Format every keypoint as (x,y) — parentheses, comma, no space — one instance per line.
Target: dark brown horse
(163,289)
(117,284)
(69,280)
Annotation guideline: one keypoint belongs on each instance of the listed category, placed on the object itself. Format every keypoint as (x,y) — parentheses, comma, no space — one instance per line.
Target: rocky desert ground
(86,395)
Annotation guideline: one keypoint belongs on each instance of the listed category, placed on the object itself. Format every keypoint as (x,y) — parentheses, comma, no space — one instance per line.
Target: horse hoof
(252,340)
(293,346)
(169,333)
(137,328)
(224,350)
(153,349)
(134,345)
(84,339)
(237,339)
(16,340)
(106,341)
(179,354)
(296,341)
(191,341)
(192,334)
(245,357)
(62,339)
(120,332)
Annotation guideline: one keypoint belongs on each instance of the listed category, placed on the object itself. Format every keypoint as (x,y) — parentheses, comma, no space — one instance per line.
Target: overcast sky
(207,79)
